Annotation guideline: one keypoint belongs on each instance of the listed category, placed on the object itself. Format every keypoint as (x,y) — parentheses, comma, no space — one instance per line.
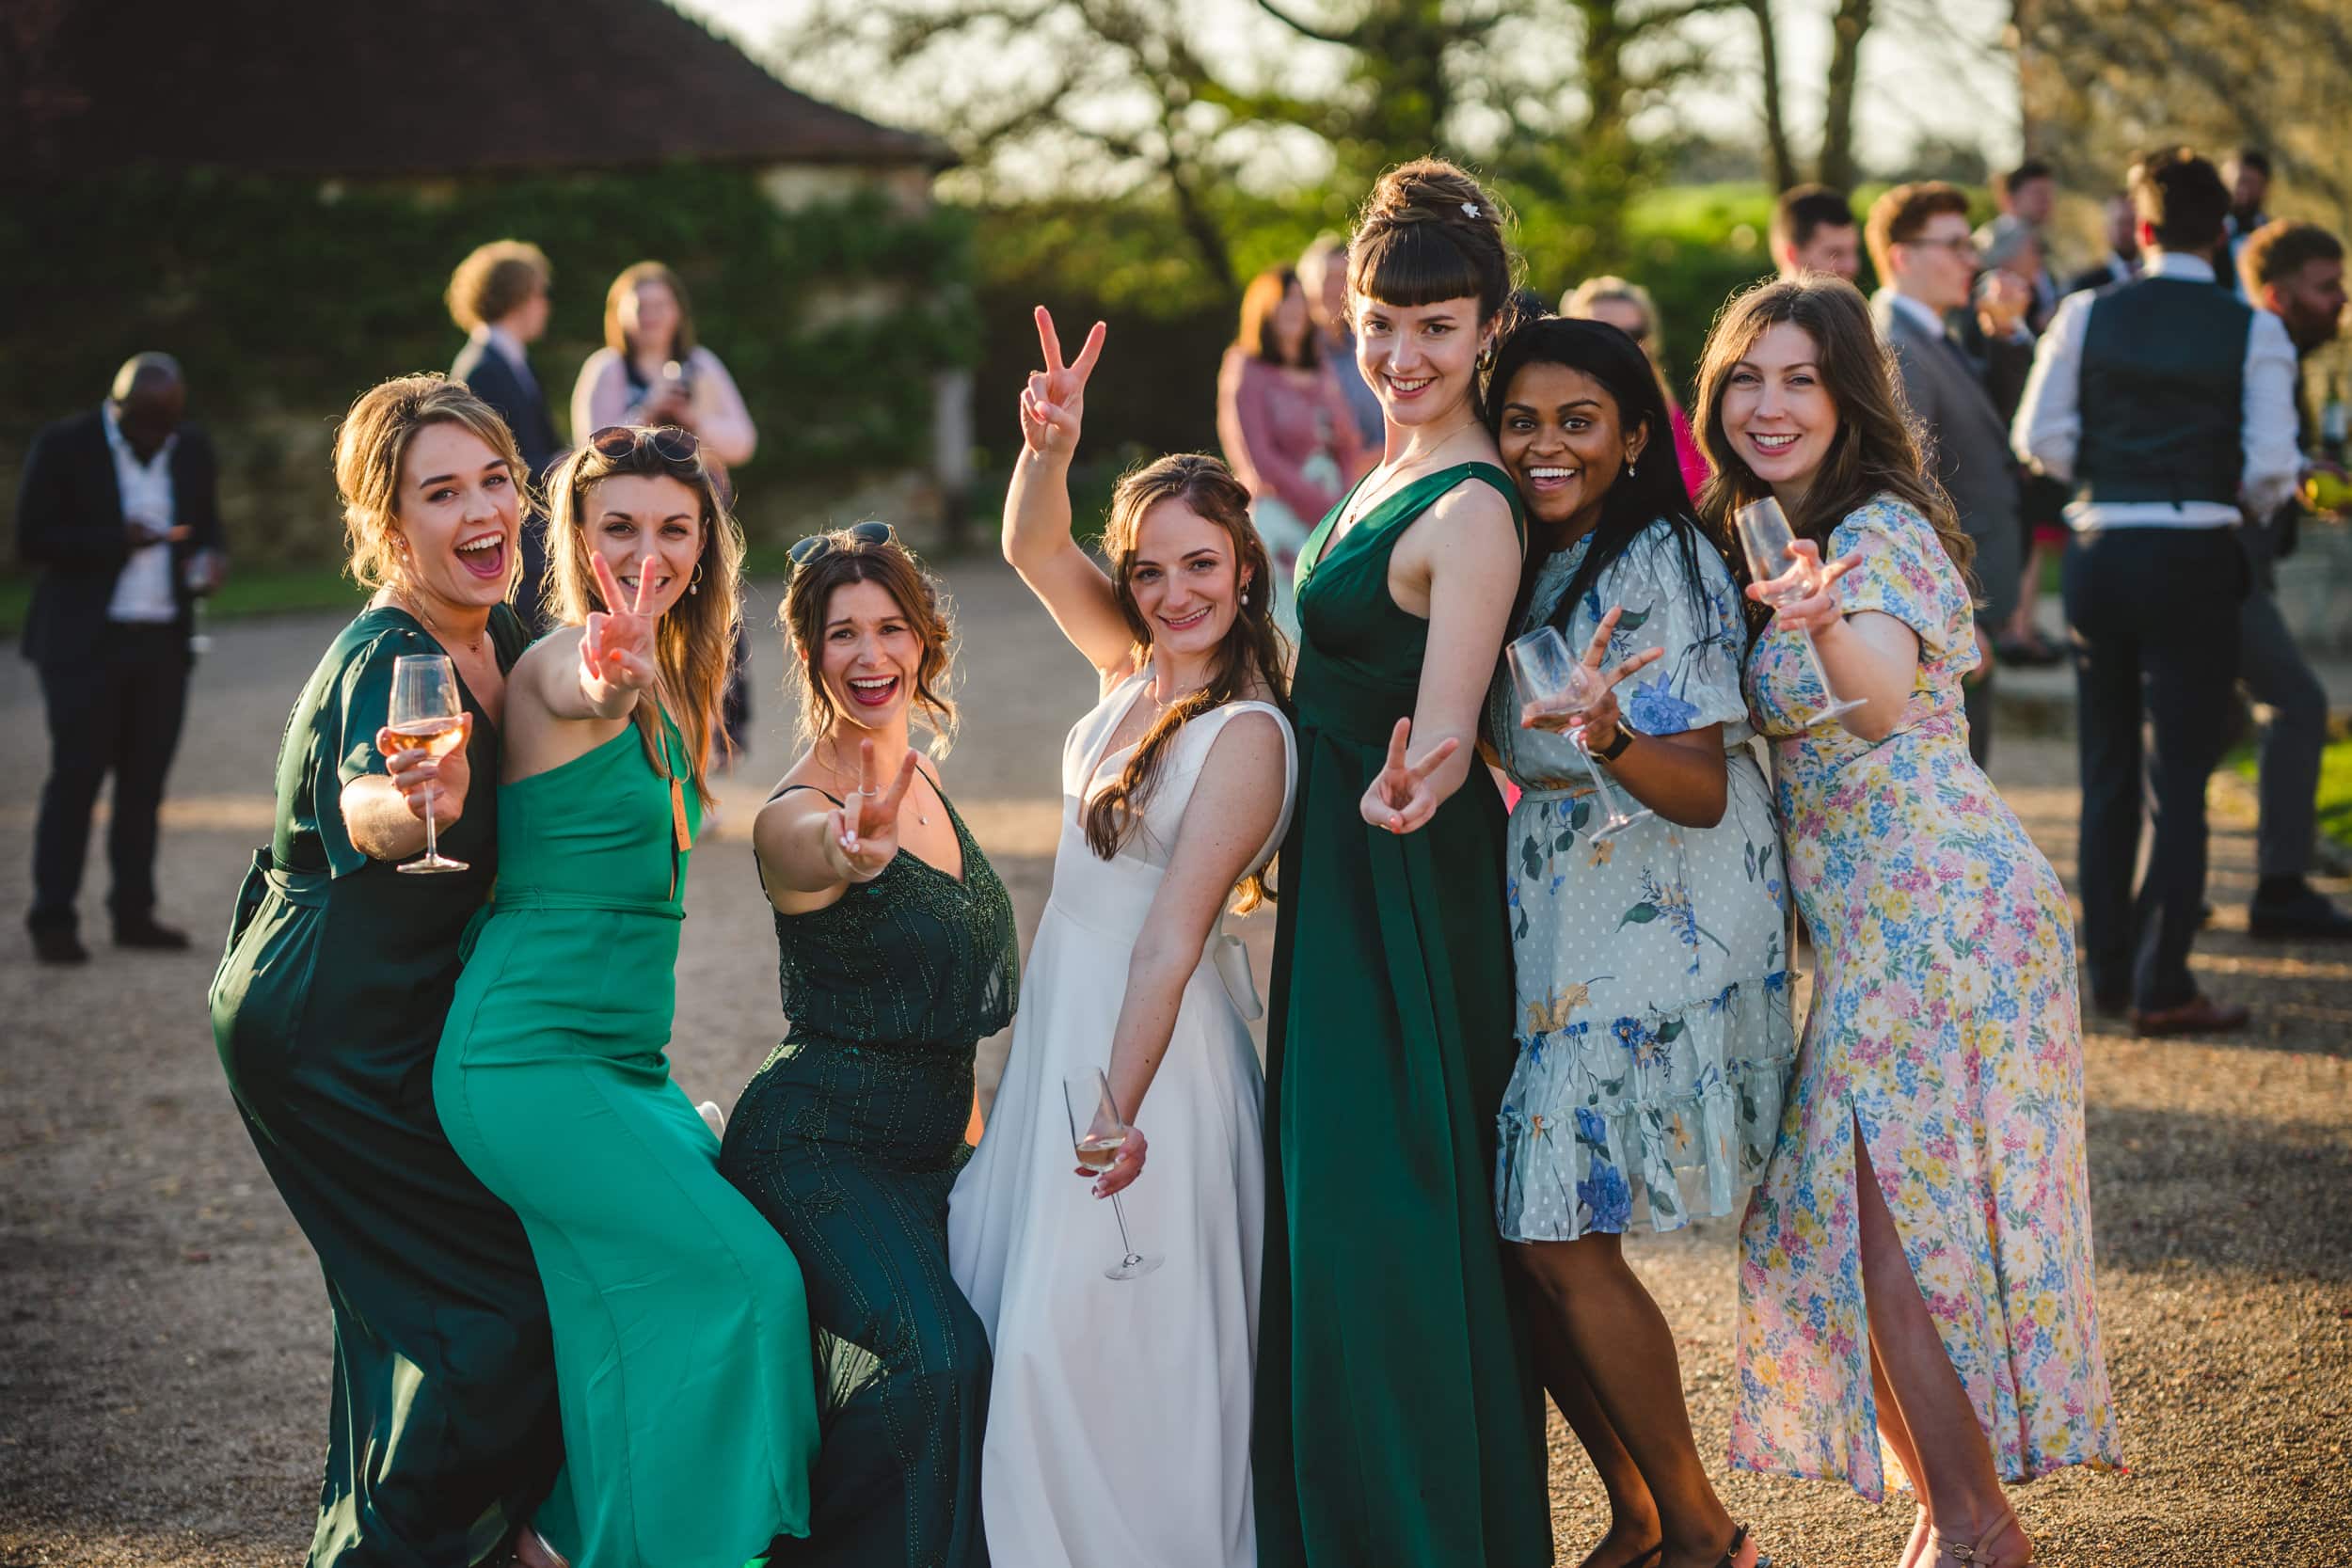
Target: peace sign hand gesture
(616,647)
(862,834)
(1599,719)
(1400,799)
(1054,402)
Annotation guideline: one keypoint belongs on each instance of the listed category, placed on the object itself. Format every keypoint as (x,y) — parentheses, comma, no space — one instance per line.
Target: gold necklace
(1365,503)
(416,608)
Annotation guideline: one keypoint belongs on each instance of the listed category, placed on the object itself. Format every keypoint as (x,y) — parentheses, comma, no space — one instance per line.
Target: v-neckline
(964,847)
(1143,682)
(466,698)
(1321,545)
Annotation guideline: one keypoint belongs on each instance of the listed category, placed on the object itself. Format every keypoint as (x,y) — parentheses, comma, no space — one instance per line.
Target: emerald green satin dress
(326,1010)
(682,1340)
(1398,1423)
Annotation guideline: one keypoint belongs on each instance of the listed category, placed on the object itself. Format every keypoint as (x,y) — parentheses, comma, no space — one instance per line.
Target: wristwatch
(1615,749)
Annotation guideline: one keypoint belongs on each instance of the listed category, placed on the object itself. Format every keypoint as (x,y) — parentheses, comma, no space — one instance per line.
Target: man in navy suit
(118,508)
(498,297)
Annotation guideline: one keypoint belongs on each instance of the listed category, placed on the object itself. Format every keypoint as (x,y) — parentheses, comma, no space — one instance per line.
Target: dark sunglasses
(671,444)
(819,546)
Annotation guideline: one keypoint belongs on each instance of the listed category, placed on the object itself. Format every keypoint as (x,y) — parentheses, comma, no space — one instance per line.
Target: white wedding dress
(1118,1420)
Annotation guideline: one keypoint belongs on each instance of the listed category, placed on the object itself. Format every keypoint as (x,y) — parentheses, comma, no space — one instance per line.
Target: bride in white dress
(1119,1418)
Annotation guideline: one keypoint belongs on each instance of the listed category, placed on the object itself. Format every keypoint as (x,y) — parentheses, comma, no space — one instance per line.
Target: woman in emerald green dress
(329,999)
(1398,1423)
(682,1349)
(898,955)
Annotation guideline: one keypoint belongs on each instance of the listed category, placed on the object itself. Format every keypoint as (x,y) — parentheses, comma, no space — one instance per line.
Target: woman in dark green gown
(330,1002)
(1398,1423)
(898,955)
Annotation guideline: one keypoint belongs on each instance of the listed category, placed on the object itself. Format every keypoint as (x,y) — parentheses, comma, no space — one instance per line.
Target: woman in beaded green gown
(681,1339)
(899,956)
(329,998)
(1399,1425)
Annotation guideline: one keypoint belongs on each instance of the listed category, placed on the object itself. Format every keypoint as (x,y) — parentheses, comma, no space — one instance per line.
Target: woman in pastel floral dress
(1653,1026)
(1916,1265)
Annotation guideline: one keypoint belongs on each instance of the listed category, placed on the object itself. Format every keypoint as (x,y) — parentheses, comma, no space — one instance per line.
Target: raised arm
(615,658)
(1037,538)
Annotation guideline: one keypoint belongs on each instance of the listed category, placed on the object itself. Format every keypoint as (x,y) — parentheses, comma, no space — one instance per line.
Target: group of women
(574,1323)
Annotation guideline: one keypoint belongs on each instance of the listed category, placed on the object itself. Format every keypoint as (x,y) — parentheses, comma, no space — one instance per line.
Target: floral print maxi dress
(1945,1026)
(1653,1032)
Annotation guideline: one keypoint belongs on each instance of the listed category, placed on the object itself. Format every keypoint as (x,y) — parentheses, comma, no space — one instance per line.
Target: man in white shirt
(117,508)
(2168,404)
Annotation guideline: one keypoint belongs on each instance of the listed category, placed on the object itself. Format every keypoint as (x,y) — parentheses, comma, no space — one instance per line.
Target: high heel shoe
(1970,1553)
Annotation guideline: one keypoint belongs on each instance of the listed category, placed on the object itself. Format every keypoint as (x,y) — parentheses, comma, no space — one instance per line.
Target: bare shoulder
(1253,742)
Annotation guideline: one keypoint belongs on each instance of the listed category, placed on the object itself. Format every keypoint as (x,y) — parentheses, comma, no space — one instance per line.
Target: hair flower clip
(1470,209)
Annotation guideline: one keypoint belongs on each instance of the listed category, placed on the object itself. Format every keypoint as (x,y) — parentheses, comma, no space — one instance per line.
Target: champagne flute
(1097,1130)
(1552,680)
(426,714)
(1765,535)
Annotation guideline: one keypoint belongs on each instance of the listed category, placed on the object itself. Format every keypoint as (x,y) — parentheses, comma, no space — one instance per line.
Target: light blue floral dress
(1654,1035)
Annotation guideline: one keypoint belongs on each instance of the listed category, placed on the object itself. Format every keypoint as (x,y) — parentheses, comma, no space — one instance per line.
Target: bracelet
(1615,749)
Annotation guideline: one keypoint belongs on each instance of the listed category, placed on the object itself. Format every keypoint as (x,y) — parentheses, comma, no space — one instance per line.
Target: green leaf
(1640,914)
(1532,856)
(1670,1030)
(1662,1201)
(1565,840)
(1633,620)
(1581,813)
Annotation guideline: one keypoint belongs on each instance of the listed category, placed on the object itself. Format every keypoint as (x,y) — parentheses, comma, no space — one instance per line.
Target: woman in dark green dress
(899,956)
(330,1002)
(1398,1423)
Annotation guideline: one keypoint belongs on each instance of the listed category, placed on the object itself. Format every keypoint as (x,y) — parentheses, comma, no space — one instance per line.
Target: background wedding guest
(2295,272)
(1323,273)
(1284,425)
(2170,406)
(1627,307)
(118,511)
(2123,261)
(2028,194)
(1813,230)
(498,297)
(2248,177)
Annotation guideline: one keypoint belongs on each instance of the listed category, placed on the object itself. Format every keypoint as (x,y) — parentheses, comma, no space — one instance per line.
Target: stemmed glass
(426,714)
(1765,534)
(1550,680)
(1097,1130)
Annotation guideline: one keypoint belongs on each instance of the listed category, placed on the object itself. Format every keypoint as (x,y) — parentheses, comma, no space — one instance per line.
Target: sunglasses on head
(669,443)
(819,546)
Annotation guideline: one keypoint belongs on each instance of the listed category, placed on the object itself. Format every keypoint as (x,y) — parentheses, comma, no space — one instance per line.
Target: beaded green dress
(1398,1425)
(849,1139)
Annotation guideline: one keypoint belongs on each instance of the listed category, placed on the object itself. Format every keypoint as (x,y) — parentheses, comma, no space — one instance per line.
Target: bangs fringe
(1413,263)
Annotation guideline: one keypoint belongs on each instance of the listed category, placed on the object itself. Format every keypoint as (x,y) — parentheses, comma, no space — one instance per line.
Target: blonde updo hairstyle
(370,447)
(847,559)
(695,647)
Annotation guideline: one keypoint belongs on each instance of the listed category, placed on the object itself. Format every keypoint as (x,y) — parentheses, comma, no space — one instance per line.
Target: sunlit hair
(808,602)
(1250,657)
(1260,303)
(1430,231)
(372,446)
(494,280)
(1874,452)
(695,647)
(617,339)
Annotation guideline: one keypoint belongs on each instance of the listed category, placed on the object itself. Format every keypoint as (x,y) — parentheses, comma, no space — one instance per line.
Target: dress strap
(811,788)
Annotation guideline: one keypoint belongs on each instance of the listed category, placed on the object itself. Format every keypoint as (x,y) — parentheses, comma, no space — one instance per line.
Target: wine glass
(1552,680)
(1097,1130)
(426,714)
(1764,533)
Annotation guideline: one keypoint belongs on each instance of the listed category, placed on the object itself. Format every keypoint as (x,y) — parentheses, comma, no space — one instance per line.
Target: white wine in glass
(1550,681)
(425,711)
(1097,1132)
(1765,535)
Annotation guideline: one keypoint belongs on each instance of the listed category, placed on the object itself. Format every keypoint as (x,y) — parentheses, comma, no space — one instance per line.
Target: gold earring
(694,583)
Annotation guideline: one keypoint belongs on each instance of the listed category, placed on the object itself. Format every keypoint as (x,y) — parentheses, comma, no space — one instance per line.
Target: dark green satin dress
(326,1010)
(849,1139)
(1398,1423)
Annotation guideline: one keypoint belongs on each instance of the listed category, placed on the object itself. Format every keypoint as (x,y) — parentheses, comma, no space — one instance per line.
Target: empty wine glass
(1552,680)
(1097,1130)
(425,713)
(1765,535)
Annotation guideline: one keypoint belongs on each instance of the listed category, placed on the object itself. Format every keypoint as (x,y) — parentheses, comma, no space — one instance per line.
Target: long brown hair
(1259,302)
(1874,452)
(1251,654)
(695,646)
(848,559)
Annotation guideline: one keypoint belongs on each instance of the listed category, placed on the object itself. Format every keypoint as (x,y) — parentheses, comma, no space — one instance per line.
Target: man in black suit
(498,297)
(120,510)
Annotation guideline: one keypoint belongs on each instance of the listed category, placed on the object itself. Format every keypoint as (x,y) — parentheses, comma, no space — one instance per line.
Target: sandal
(1970,1553)
(1731,1552)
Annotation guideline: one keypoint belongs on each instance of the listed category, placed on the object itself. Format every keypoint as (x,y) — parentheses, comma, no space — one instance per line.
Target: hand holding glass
(1765,535)
(1097,1130)
(426,714)
(1552,680)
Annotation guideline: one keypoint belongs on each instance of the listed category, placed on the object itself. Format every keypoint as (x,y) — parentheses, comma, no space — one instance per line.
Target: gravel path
(163,1343)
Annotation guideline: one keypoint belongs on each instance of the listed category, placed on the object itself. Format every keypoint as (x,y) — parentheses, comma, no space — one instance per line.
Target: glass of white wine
(1552,681)
(1765,535)
(1097,1130)
(426,714)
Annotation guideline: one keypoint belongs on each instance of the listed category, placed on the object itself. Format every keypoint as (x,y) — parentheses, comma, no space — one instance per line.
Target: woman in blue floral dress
(1917,1264)
(1653,1027)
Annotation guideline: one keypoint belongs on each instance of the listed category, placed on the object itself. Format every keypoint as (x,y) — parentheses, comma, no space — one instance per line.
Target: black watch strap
(1615,749)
